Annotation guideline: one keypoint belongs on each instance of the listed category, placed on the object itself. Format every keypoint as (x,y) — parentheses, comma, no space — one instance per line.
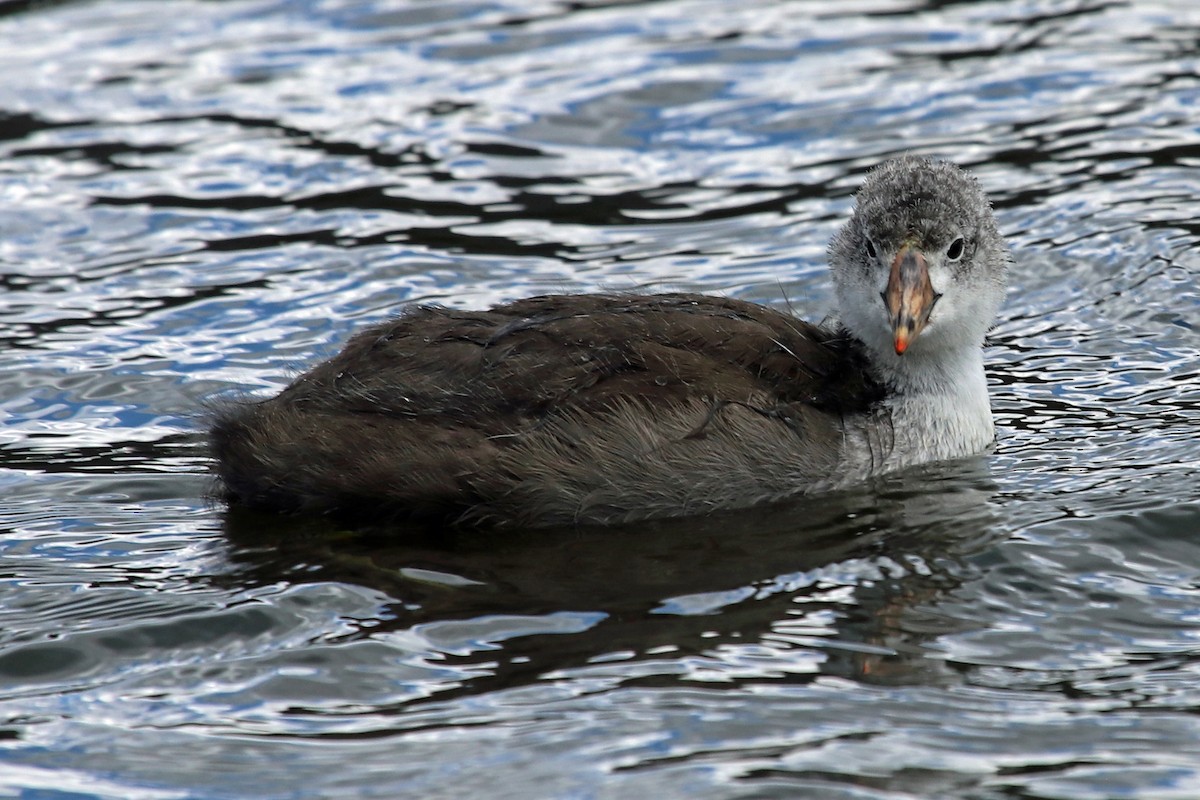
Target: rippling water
(200,198)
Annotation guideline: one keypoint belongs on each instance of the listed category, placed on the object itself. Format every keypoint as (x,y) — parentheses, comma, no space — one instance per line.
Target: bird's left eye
(955,250)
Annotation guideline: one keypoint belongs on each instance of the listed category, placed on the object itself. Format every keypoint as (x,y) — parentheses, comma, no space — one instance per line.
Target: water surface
(201,198)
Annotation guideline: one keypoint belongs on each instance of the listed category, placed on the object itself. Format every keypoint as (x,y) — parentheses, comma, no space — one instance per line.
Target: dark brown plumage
(428,414)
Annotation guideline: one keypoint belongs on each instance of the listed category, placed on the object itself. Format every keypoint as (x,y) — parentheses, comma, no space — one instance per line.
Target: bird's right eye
(871,249)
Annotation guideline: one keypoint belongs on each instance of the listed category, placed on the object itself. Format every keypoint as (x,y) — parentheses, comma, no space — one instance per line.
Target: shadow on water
(851,575)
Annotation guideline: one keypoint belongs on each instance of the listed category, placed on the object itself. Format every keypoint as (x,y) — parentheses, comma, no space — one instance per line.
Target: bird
(605,409)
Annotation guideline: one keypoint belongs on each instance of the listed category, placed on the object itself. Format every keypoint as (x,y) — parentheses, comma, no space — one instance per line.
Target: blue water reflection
(200,199)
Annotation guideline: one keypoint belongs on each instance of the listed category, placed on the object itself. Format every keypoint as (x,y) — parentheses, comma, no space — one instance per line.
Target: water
(201,198)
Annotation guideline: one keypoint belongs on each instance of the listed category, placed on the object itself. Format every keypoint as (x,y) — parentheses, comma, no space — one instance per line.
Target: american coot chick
(611,408)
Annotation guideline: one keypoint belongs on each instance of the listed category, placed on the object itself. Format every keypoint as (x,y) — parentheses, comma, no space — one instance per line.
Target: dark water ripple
(201,198)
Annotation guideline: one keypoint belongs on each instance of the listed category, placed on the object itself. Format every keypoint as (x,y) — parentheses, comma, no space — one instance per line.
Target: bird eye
(955,250)
(871,249)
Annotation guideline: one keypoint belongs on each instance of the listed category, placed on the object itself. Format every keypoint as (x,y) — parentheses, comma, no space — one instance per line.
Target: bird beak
(909,296)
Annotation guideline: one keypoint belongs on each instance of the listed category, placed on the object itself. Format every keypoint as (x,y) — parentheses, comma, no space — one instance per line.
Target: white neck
(937,409)
(939,405)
